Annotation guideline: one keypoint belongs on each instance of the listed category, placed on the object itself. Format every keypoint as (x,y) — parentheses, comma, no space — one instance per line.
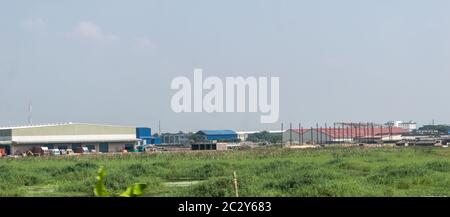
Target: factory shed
(336,135)
(209,146)
(243,135)
(101,138)
(218,135)
(299,136)
(144,134)
(179,138)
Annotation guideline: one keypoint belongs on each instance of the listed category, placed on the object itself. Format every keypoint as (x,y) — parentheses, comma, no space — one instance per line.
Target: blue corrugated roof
(217,132)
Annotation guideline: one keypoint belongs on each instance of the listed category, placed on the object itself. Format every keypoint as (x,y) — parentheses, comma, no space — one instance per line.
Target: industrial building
(101,138)
(144,136)
(338,135)
(243,135)
(179,138)
(408,125)
(218,135)
(182,138)
(209,146)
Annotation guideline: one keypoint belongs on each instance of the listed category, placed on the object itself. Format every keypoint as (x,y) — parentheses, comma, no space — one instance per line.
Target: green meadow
(273,172)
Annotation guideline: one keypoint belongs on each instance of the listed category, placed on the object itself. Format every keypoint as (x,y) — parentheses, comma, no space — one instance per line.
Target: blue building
(155,140)
(144,134)
(219,135)
(179,138)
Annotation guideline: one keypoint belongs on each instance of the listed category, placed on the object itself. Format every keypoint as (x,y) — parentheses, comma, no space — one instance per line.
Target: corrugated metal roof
(217,132)
(357,132)
(301,130)
(32,126)
(54,124)
(258,131)
(74,139)
(248,132)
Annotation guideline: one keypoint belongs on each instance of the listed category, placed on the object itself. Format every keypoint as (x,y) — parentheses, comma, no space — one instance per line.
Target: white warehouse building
(407,125)
(101,138)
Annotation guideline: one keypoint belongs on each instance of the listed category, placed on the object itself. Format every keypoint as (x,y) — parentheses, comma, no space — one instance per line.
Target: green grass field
(261,172)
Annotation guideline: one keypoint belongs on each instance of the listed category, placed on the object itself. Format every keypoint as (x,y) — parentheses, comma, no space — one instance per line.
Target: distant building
(408,125)
(101,138)
(337,135)
(175,138)
(144,134)
(209,146)
(243,135)
(218,135)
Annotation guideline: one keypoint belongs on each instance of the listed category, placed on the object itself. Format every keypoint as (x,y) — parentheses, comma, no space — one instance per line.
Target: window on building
(103,147)
(75,146)
(90,146)
(129,147)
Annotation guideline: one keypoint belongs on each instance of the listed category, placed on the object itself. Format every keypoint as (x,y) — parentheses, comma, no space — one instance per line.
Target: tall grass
(411,171)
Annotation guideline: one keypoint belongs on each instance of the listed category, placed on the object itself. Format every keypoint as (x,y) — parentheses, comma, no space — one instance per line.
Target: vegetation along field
(260,172)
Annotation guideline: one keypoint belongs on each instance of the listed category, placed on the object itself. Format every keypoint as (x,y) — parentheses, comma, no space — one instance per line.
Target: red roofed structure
(354,133)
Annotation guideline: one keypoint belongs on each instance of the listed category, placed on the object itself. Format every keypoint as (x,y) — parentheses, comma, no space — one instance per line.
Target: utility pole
(30,110)
(373,136)
(331,136)
(290,134)
(365,133)
(381,130)
(351,132)
(358,127)
(390,133)
(346,130)
(334,131)
(321,133)
(317,132)
(300,134)
(159,127)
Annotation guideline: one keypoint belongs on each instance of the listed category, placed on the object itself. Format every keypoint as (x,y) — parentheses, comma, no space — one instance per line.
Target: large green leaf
(100,188)
(134,190)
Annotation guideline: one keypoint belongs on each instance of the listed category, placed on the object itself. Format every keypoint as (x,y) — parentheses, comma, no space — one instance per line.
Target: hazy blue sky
(112,61)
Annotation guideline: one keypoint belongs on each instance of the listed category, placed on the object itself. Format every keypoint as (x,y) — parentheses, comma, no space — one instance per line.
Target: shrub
(214,187)
(439,166)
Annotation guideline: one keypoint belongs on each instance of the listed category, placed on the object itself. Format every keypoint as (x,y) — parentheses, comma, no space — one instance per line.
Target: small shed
(209,146)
